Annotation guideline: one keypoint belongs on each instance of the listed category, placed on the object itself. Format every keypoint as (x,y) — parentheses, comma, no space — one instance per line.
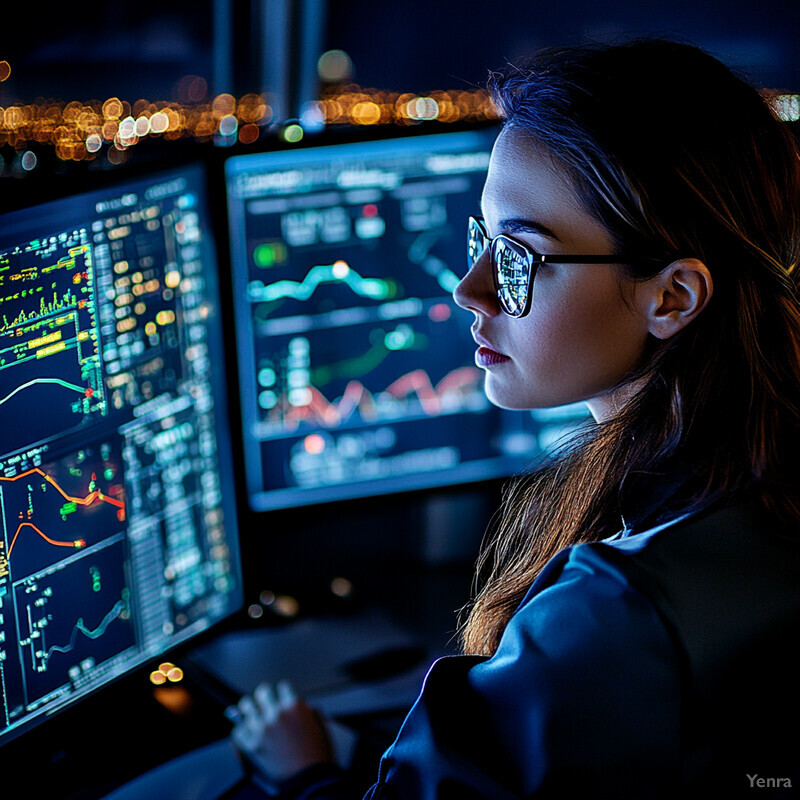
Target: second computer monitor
(357,368)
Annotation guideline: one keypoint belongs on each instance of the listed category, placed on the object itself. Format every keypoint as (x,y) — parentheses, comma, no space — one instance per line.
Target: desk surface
(132,727)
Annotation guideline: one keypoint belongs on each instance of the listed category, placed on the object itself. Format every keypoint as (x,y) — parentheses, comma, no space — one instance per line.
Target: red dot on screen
(370,210)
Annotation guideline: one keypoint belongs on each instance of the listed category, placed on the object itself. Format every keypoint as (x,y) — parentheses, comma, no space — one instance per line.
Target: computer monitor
(118,531)
(357,368)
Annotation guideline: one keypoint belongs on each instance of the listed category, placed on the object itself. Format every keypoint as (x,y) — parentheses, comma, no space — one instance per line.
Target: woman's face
(581,337)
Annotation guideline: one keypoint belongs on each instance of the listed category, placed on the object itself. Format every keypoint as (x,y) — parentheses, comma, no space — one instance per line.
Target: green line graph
(404,337)
(119,610)
(338,272)
(65,384)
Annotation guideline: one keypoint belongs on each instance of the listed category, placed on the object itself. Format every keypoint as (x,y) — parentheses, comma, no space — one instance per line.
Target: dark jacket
(656,664)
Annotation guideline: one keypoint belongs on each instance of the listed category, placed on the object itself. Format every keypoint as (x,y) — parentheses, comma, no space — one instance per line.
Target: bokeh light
(335,66)
(341,587)
(286,606)
(28,161)
(228,125)
(255,611)
(191,89)
(79,131)
(248,133)
(166,672)
(293,133)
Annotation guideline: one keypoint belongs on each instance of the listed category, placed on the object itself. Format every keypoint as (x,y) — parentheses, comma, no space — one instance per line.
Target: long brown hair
(677,157)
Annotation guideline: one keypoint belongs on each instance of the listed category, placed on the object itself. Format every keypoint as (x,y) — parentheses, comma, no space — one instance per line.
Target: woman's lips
(486,357)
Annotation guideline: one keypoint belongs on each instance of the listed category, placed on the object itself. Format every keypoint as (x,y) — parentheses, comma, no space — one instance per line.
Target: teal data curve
(373,288)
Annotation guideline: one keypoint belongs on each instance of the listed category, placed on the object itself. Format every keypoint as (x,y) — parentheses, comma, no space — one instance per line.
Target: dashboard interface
(357,368)
(117,533)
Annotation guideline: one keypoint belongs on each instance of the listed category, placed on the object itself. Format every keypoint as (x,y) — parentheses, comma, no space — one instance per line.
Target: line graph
(340,272)
(420,253)
(372,372)
(51,378)
(46,308)
(71,272)
(73,617)
(71,386)
(382,344)
(68,504)
(78,543)
(411,395)
(120,608)
(94,496)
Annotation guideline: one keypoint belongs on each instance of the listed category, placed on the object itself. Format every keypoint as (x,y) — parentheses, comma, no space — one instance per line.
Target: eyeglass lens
(511,267)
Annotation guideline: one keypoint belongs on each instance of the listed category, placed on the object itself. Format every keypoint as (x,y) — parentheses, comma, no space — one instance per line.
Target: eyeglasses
(514,265)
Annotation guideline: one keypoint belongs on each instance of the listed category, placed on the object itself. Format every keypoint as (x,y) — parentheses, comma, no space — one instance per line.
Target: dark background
(143,50)
(131,50)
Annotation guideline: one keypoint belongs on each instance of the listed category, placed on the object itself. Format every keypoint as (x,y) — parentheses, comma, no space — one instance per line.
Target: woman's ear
(677,295)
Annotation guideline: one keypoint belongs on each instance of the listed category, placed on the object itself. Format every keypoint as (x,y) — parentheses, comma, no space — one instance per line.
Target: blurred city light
(87,130)
(293,133)
(335,66)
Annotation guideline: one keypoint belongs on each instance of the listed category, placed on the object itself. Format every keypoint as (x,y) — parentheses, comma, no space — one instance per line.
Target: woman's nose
(476,291)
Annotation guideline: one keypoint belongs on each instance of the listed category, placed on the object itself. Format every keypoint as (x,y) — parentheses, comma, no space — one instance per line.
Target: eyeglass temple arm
(590,259)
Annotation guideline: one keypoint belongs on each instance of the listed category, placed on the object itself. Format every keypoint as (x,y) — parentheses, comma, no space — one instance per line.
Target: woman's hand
(279,733)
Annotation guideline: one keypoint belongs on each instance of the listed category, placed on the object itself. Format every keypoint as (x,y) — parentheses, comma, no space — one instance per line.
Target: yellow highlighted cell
(48,351)
(43,340)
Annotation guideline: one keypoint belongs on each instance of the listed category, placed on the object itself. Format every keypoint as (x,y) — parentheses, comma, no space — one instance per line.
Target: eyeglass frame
(533,260)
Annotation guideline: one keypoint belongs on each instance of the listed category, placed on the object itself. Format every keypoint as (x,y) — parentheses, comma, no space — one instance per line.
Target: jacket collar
(650,499)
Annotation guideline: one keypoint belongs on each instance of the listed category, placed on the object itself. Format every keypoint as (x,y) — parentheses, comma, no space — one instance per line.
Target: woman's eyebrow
(515,225)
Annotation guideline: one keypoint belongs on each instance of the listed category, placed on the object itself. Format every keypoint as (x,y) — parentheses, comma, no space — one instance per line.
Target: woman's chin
(499,396)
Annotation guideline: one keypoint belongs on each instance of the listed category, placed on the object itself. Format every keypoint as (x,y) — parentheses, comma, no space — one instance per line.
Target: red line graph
(81,501)
(95,496)
(356,397)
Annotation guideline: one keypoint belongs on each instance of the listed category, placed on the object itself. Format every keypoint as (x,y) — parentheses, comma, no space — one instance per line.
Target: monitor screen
(118,535)
(357,368)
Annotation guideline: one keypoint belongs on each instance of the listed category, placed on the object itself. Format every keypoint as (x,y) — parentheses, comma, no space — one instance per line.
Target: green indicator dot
(263,256)
(68,508)
(108,474)
(269,254)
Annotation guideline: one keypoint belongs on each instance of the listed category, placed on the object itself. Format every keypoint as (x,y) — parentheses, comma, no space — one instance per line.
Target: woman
(632,636)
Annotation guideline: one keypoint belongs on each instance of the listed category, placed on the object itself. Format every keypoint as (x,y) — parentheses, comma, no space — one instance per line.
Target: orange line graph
(95,496)
(81,501)
(78,543)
